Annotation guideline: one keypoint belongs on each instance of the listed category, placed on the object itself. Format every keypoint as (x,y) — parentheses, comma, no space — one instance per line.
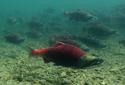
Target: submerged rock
(14,38)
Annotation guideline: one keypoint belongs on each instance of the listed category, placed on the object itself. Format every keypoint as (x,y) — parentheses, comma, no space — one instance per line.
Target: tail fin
(29,49)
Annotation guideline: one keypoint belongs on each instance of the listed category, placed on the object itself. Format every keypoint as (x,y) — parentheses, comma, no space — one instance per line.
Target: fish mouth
(96,61)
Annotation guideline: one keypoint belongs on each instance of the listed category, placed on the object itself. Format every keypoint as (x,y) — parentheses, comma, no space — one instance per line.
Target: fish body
(61,52)
(79,15)
(67,55)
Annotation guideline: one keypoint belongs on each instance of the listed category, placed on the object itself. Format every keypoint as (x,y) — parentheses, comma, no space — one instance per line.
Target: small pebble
(63,74)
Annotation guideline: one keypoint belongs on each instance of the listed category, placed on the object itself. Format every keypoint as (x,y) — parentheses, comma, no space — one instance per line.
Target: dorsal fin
(58,44)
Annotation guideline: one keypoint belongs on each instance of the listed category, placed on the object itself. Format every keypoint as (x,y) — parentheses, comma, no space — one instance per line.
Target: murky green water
(95,26)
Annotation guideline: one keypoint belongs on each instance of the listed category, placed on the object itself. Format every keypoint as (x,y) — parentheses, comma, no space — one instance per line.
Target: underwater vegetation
(14,38)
